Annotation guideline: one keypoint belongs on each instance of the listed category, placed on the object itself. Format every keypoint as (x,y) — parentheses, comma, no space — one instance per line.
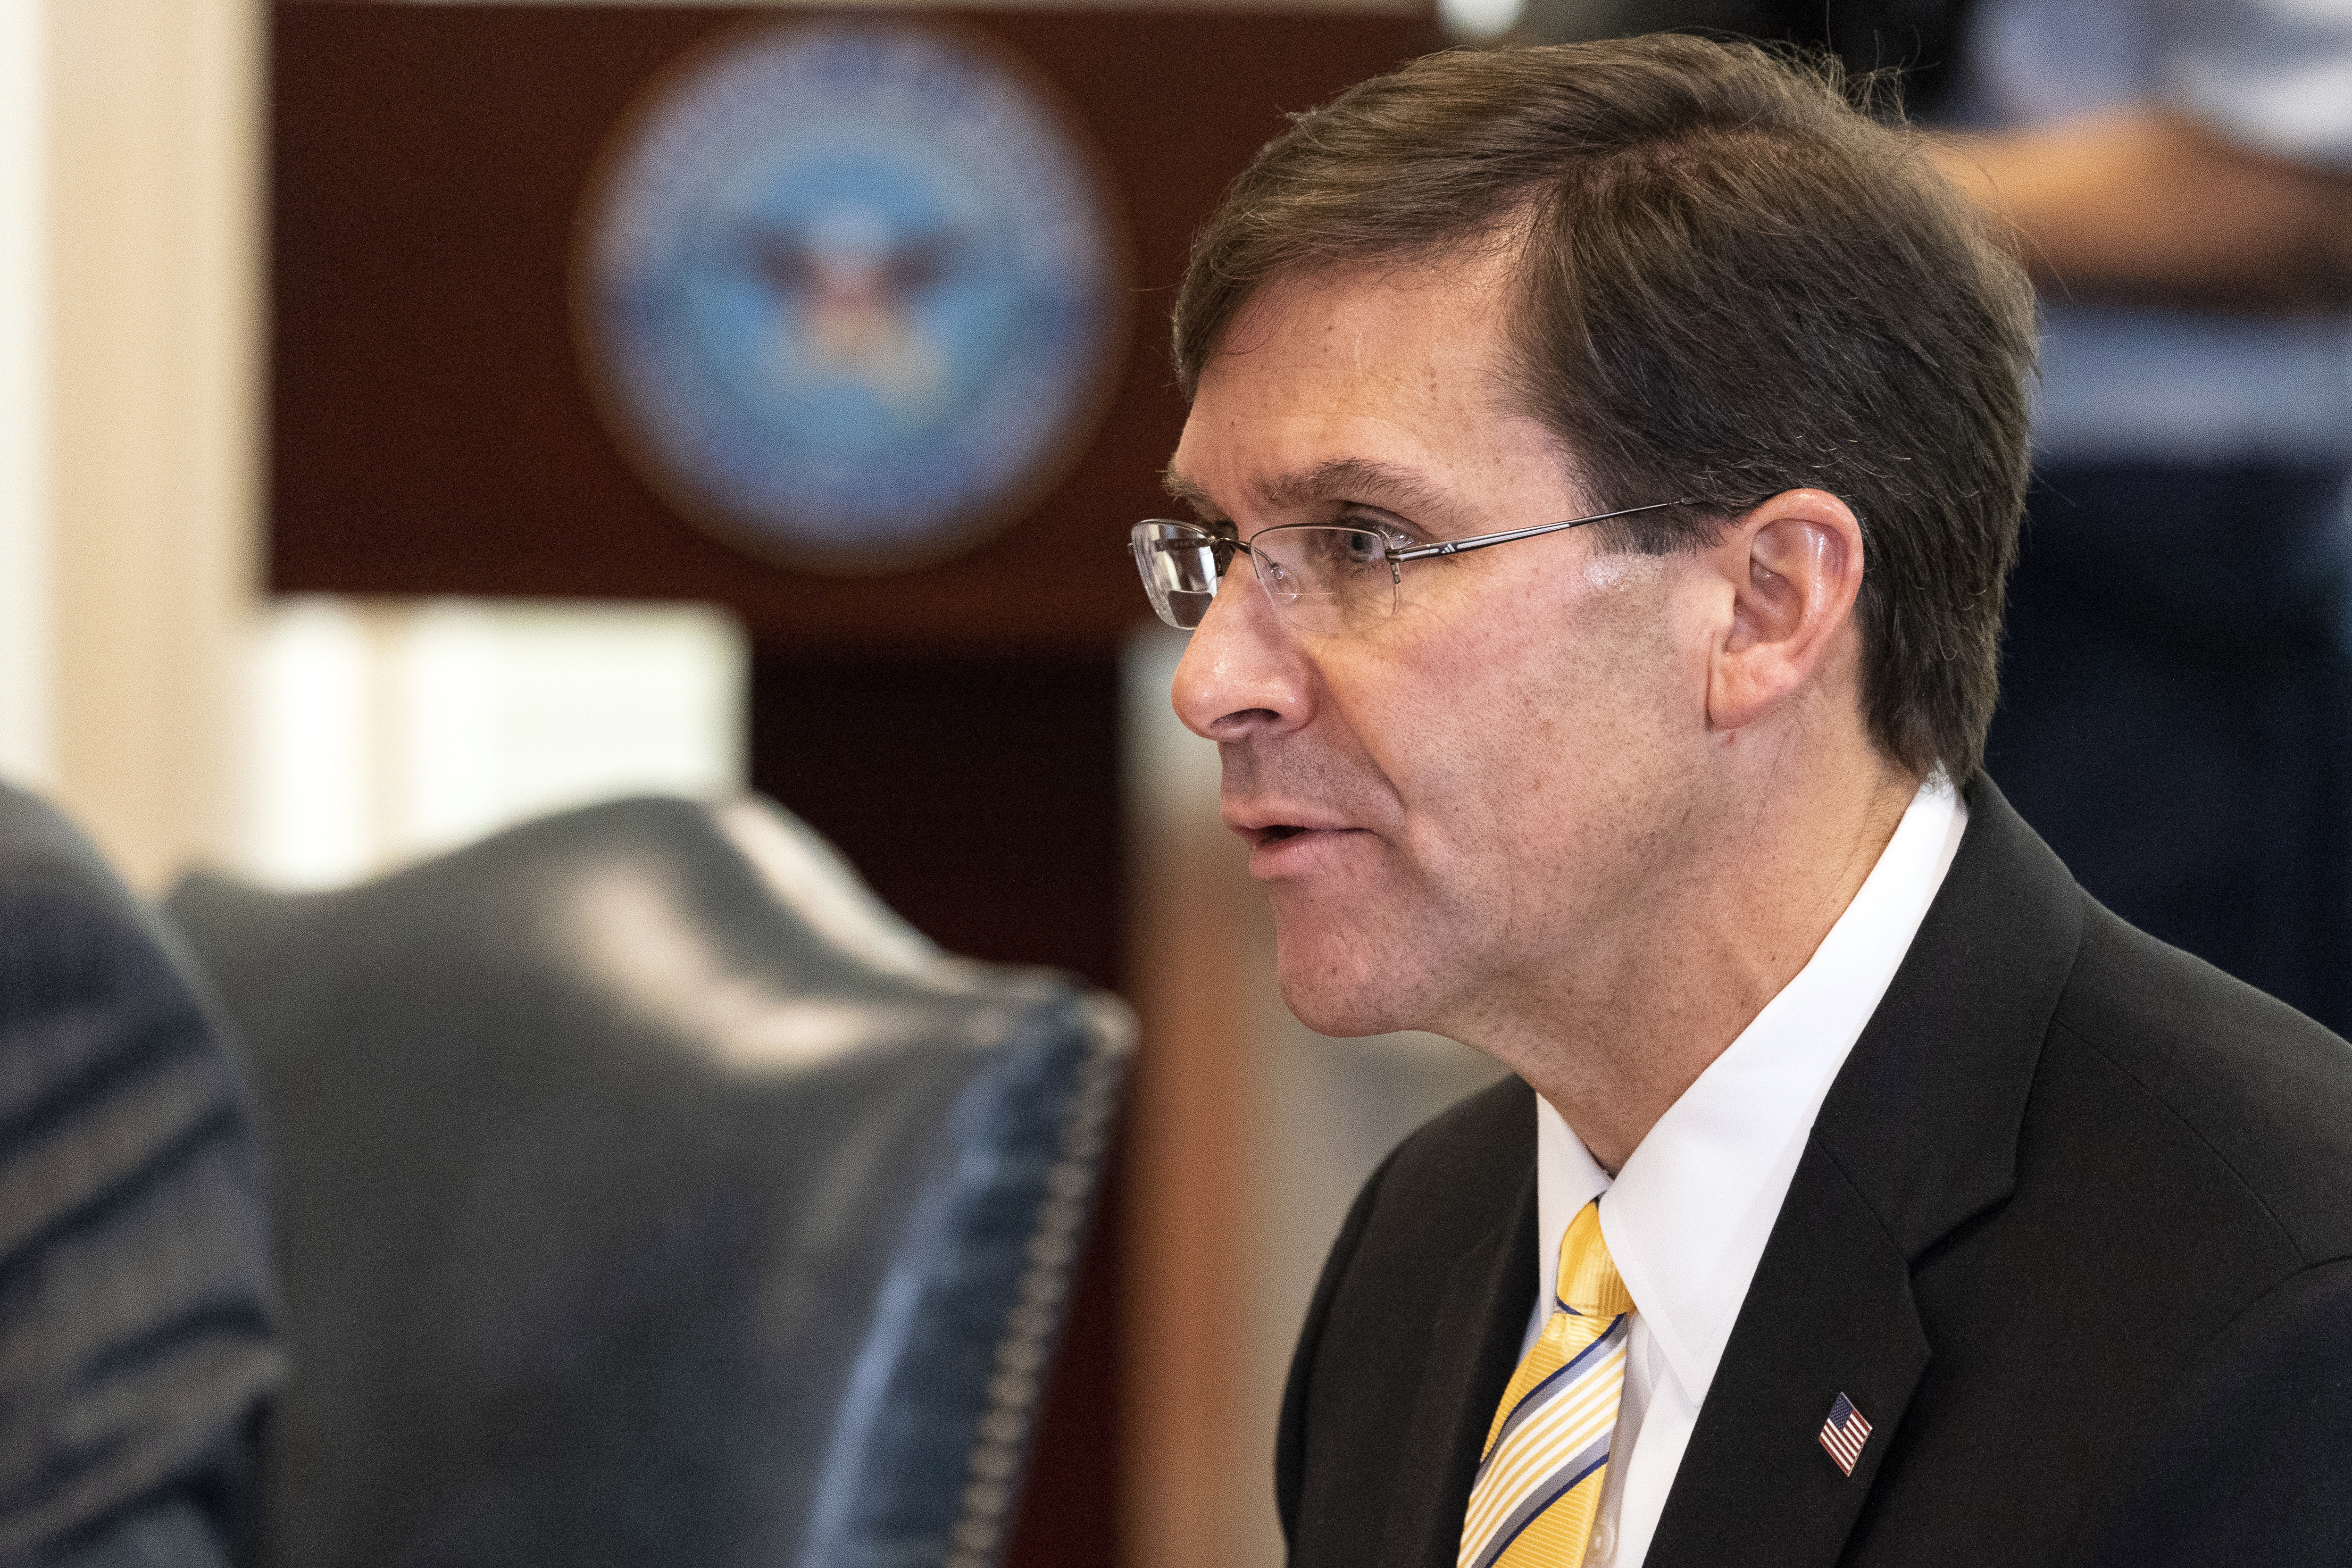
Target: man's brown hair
(1732,283)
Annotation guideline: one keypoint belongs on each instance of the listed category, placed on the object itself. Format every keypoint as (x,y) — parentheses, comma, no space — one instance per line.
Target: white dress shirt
(1687,1217)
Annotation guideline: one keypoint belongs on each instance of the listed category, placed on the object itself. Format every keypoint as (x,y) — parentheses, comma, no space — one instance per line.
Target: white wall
(26,750)
(133,565)
(376,731)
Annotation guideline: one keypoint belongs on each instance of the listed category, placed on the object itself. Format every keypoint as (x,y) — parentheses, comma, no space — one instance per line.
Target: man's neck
(1640,1018)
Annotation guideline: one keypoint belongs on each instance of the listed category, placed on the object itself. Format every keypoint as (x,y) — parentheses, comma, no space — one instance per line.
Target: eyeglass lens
(1181,566)
(1324,579)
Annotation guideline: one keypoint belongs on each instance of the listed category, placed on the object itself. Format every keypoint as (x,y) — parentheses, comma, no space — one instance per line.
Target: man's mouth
(1264,836)
(1279,849)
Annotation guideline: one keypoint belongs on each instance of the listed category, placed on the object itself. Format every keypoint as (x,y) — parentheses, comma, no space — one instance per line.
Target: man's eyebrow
(1179,487)
(1352,479)
(1349,479)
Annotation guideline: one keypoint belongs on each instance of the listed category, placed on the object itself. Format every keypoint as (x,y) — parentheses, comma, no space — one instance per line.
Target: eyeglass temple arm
(1480,541)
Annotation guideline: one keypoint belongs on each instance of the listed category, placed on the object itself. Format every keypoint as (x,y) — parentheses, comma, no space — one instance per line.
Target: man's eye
(1383,528)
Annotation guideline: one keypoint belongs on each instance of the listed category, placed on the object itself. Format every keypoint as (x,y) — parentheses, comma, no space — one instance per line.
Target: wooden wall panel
(431,432)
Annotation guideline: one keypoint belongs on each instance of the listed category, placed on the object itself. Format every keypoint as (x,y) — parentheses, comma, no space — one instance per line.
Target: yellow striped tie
(1547,1456)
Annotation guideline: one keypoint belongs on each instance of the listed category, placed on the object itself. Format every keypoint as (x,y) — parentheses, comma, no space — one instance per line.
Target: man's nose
(1241,673)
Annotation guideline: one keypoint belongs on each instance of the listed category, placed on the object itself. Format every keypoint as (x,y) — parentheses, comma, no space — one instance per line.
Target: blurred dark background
(954,730)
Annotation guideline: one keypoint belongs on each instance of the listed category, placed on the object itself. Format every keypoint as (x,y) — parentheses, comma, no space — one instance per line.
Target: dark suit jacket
(136,1346)
(2074,1230)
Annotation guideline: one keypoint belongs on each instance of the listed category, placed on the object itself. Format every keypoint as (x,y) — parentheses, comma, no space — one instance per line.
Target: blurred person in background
(137,1350)
(2176,702)
(2176,711)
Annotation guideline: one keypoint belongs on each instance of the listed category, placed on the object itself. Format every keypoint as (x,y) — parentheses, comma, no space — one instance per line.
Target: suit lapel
(1473,1348)
(1829,1316)
(1917,1135)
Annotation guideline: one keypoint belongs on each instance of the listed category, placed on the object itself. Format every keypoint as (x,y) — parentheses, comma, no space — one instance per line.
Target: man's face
(1454,806)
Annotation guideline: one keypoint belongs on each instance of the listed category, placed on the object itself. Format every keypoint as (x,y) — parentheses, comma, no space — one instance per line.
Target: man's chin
(1345,1024)
(1347,967)
(1339,1000)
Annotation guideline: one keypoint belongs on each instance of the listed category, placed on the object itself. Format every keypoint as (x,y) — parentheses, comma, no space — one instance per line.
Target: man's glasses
(1323,578)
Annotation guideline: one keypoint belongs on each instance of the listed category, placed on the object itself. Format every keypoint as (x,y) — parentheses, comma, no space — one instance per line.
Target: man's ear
(1794,566)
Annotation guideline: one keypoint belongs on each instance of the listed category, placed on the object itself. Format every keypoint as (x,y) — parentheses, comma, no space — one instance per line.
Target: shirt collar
(1687,1217)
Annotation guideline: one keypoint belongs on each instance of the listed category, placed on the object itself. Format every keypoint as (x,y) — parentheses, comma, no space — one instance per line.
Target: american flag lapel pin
(1844,1432)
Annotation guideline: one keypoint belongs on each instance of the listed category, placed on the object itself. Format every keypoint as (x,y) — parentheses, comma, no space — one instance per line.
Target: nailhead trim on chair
(1022,1354)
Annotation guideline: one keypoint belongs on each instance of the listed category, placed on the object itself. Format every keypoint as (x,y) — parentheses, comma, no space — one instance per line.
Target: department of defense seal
(848,292)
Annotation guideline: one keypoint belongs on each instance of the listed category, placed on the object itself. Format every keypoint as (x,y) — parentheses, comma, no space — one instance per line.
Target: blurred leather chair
(646,1194)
